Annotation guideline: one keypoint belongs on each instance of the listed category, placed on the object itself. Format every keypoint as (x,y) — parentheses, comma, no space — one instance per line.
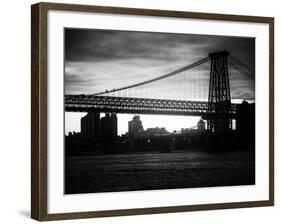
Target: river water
(148,171)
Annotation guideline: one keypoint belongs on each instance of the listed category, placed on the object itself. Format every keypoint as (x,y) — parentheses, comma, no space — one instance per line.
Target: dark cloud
(96,45)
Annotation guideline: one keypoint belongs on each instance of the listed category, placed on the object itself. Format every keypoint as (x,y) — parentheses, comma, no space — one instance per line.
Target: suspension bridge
(202,88)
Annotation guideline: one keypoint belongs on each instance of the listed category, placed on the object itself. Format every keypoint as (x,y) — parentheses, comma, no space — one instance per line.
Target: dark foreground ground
(148,171)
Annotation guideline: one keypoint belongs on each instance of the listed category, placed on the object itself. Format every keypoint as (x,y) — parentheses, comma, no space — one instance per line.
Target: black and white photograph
(157,111)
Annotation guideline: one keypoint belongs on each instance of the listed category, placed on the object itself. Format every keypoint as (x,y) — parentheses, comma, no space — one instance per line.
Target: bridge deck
(86,103)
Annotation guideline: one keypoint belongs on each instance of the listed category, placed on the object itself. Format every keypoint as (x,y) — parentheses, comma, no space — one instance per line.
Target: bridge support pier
(219,101)
(219,125)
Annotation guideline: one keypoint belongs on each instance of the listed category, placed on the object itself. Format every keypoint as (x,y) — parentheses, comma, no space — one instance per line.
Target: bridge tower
(219,101)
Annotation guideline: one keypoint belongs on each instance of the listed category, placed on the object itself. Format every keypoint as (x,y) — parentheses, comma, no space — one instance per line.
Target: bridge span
(87,103)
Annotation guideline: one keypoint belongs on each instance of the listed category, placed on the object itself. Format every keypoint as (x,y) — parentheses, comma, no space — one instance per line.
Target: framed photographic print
(138,111)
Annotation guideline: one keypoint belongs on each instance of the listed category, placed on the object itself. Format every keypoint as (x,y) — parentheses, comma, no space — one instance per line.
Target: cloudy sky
(96,60)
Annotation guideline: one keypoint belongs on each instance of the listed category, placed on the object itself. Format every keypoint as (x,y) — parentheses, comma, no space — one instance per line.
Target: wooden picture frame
(39,109)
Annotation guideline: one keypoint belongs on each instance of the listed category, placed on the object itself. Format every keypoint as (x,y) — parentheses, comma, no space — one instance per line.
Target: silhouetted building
(90,125)
(201,125)
(114,125)
(152,132)
(245,123)
(197,129)
(245,117)
(157,131)
(109,126)
(135,126)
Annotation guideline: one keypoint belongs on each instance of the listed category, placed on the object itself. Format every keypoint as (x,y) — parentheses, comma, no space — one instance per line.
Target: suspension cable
(157,78)
(238,68)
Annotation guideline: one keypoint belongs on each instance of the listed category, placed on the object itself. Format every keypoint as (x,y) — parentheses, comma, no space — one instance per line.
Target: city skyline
(177,123)
(96,127)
